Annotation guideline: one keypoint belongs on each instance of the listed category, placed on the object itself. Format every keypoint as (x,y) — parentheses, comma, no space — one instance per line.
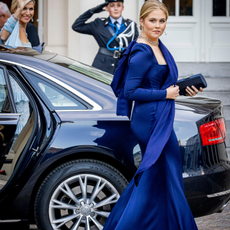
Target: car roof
(45,63)
(29,52)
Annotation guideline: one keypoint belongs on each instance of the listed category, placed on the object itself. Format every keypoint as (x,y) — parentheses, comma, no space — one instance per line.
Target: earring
(32,19)
(141,27)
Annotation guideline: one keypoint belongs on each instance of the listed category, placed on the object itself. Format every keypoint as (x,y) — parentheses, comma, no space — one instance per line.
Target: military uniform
(111,40)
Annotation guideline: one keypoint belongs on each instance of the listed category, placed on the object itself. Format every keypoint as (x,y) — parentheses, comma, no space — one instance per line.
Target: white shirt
(119,20)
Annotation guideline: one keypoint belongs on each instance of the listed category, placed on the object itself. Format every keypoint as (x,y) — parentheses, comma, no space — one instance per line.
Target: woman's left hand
(193,91)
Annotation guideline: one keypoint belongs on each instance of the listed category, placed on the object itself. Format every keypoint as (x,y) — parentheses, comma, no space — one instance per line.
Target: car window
(83,69)
(4,100)
(57,97)
(21,103)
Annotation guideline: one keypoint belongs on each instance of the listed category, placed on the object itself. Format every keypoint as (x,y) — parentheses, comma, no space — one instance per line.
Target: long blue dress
(154,199)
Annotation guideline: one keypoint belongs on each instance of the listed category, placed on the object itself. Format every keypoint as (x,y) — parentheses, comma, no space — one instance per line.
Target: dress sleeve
(139,66)
(8,26)
(32,35)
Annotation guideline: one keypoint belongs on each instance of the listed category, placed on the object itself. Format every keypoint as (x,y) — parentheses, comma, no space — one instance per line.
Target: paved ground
(218,221)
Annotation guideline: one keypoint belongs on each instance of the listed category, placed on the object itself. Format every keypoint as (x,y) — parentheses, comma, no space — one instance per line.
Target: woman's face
(154,24)
(115,9)
(27,12)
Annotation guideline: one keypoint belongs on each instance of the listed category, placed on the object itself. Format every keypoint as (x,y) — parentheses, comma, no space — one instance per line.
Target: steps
(217,76)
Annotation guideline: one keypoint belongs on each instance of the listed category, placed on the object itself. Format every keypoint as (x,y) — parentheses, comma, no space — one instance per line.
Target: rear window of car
(83,68)
(55,96)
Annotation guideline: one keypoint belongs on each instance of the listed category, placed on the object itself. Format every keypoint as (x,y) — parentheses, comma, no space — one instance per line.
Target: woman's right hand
(99,8)
(20,7)
(172,92)
(21,4)
(17,13)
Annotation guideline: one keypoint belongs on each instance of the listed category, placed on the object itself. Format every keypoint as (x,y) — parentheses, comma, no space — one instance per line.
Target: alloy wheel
(82,202)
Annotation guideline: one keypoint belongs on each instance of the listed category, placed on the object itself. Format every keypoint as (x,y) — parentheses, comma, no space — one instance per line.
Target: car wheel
(78,195)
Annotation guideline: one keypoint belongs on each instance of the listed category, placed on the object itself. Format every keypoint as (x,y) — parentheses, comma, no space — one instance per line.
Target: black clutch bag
(196,80)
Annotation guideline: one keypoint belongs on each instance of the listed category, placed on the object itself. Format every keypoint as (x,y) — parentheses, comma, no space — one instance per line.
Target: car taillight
(213,132)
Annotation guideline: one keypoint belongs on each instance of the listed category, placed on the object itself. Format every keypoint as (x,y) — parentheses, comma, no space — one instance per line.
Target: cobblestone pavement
(217,221)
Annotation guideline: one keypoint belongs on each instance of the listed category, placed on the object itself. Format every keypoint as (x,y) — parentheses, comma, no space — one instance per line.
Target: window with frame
(56,96)
(21,101)
(221,8)
(5,106)
(179,7)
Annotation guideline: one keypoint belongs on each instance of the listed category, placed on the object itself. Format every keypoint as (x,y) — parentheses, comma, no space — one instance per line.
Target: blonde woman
(14,31)
(154,199)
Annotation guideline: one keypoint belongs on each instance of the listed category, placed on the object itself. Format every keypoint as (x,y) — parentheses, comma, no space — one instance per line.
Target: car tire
(78,195)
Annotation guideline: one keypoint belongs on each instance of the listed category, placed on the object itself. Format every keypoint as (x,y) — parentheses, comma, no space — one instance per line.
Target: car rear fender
(79,152)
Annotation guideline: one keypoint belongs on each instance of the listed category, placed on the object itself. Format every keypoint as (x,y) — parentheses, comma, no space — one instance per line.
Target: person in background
(113,34)
(14,32)
(4,14)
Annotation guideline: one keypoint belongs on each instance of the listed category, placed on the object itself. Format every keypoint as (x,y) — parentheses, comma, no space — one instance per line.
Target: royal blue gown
(154,199)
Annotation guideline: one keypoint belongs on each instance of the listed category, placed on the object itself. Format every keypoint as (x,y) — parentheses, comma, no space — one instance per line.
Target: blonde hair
(151,5)
(14,5)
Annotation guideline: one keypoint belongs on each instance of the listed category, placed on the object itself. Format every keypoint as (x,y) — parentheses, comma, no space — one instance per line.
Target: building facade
(197,30)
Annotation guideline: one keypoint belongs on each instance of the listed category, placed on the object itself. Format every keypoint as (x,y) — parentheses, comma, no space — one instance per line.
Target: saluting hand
(172,92)
(99,8)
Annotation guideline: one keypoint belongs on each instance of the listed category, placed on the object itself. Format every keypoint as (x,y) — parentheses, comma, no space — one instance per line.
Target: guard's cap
(114,1)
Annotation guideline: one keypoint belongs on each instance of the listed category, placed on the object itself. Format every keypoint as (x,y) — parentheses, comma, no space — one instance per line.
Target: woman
(14,34)
(154,199)
(112,34)
(14,31)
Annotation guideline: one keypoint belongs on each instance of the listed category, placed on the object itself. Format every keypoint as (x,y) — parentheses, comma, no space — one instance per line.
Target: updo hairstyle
(151,5)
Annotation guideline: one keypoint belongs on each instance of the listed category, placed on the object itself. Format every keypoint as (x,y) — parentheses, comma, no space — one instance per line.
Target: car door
(8,117)
(28,134)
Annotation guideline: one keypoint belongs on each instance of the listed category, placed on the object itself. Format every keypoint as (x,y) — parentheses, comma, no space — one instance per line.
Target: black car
(66,157)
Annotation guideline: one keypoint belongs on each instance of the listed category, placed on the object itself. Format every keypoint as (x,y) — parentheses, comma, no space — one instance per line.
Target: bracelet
(16,19)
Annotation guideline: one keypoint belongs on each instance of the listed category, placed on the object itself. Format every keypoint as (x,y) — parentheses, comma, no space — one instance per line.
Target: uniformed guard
(113,34)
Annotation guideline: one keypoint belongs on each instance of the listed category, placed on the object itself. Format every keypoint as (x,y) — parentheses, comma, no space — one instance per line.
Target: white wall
(56,26)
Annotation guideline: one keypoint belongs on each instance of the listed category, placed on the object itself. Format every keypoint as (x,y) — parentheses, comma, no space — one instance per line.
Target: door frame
(40,20)
(27,157)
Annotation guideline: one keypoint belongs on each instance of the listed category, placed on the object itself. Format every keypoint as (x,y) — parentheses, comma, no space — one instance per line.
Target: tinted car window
(21,103)
(4,100)
(57,97)
(83,69)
